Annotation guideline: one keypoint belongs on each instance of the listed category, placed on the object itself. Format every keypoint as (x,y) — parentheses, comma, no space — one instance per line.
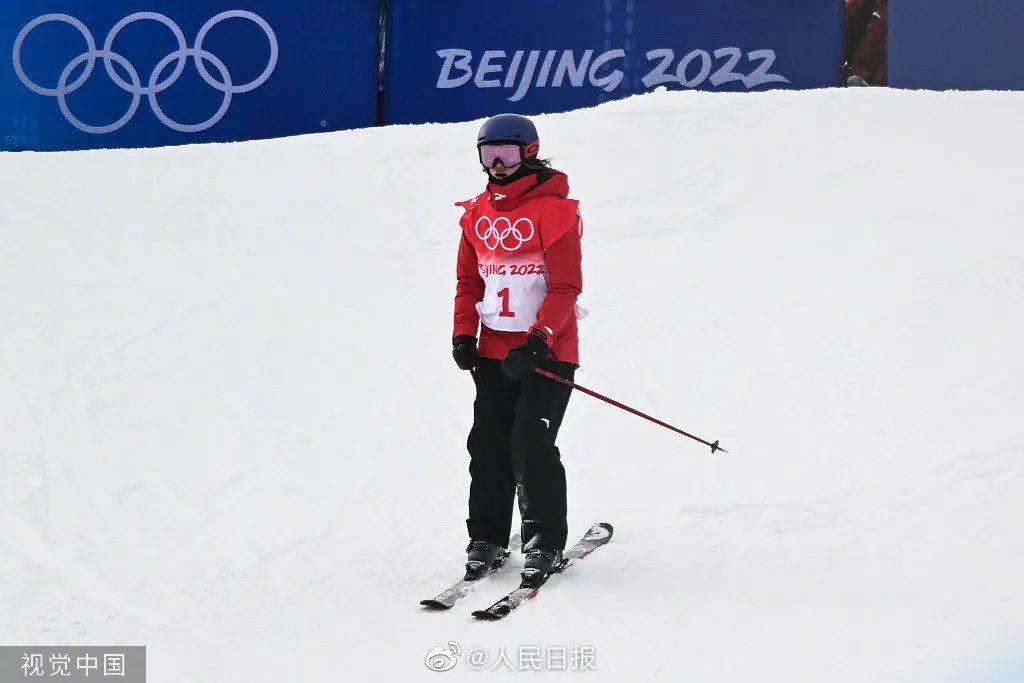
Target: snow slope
(232,430)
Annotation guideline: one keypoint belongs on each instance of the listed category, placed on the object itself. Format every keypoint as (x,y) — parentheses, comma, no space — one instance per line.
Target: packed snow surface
(232,430)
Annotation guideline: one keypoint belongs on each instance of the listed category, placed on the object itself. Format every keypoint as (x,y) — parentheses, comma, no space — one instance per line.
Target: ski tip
(601,530)
(434,605)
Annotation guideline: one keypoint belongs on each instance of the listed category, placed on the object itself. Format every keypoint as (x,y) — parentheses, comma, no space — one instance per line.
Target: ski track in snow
(233,431)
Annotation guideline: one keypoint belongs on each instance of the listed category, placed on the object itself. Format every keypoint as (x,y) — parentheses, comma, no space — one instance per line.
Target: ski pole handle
(590,392)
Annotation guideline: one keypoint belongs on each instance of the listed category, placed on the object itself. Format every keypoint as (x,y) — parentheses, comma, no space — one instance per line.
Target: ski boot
(540,564)
(483,557)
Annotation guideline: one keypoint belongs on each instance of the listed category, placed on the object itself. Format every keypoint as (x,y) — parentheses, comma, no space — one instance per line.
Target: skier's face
(500,171)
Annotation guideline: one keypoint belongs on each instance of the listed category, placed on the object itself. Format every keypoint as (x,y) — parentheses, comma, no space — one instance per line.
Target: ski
(447,598)
(597,536)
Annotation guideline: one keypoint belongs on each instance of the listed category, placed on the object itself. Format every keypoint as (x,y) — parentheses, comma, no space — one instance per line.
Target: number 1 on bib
(505,312)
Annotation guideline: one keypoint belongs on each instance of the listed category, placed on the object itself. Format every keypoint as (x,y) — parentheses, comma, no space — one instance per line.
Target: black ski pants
(512,449)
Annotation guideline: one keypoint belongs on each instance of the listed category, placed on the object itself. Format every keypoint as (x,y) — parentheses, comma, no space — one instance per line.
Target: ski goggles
(509,155)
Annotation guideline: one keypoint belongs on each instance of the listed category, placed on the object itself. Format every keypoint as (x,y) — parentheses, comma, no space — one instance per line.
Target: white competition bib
(510,258)
(513,295)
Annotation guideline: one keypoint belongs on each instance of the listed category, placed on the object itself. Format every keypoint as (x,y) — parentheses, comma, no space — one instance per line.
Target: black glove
(464,351)
(521,360)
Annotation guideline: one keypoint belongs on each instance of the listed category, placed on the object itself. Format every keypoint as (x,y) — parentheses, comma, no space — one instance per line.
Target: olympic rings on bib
(504,232)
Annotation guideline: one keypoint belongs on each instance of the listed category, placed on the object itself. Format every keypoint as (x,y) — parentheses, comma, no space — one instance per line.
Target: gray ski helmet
(512,128)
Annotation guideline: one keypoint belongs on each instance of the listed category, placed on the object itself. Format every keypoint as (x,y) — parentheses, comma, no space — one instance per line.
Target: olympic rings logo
(504,232)
(156,83)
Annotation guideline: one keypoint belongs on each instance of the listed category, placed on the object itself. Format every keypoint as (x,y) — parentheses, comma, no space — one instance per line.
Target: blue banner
(942,44)
(84,74)
(465,59)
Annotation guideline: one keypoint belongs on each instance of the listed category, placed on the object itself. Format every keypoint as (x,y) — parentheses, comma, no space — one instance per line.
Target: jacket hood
(546,183)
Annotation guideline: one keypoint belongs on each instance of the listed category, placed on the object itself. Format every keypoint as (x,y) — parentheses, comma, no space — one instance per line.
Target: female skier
(519,275)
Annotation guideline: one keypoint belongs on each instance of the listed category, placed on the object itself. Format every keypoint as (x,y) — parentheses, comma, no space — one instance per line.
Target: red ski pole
(590,392)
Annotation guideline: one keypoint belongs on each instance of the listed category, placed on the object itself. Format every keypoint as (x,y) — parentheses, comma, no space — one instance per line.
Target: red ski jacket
(519,266)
